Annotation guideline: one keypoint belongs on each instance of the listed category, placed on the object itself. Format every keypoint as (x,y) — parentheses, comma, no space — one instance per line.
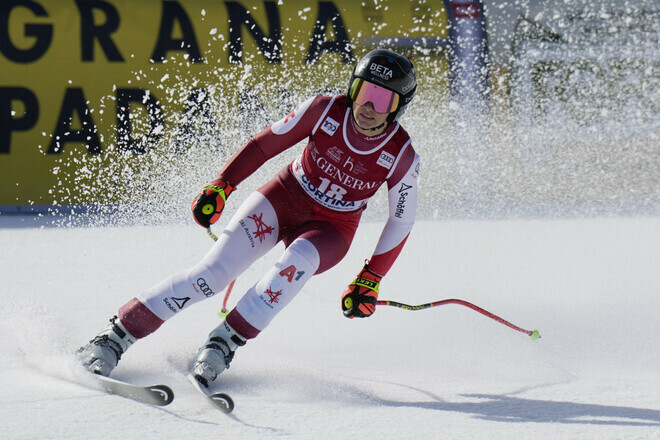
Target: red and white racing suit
(313,205)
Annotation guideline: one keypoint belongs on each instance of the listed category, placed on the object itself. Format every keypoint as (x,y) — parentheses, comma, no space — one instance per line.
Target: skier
(313,205)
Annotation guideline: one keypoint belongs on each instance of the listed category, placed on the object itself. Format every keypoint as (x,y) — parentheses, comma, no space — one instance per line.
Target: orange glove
(359,298)
(208,205)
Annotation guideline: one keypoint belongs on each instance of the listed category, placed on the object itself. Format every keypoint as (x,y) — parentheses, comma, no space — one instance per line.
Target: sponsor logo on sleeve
(401,203)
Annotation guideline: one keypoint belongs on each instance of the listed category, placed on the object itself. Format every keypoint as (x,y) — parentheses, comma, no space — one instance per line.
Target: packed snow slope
(591,287)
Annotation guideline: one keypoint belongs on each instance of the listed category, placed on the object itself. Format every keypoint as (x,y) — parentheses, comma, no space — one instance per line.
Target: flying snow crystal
(570,127)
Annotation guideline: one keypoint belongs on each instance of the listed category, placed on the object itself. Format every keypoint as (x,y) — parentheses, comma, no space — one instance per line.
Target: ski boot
(102,353)
(214,357)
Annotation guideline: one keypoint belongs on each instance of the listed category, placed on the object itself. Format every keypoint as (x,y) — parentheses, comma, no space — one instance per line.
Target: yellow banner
(90,84)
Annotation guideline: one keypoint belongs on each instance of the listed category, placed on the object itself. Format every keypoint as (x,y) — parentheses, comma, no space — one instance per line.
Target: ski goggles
(383,100)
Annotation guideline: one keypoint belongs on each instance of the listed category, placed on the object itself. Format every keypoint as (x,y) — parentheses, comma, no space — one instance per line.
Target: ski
(159,395)
(221,401)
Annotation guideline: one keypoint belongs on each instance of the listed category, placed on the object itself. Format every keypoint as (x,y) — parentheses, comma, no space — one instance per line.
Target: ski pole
(223,311)
(211,234)
(534,334)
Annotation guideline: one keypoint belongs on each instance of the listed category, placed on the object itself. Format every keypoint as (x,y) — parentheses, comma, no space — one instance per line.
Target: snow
(591,287)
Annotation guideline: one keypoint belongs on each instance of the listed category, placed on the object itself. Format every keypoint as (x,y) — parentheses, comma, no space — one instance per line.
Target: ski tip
(165,392)
(223,402)
(159,395)
(534,334)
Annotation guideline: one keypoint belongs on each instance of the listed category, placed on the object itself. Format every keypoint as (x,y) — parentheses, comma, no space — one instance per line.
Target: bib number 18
(332,191)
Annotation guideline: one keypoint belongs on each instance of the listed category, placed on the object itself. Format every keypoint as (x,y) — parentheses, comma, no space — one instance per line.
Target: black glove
(208,205)
(359,298)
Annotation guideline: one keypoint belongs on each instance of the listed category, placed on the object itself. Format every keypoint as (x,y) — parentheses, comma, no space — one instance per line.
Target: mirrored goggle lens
(383,100)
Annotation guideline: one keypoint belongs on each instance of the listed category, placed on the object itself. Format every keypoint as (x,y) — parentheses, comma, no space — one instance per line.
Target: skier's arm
(273,140)
(402,195)
(359,298)
(283,134)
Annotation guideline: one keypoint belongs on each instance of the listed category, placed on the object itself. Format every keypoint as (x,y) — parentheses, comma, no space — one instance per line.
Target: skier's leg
(315,247)
(249,235)
(256,309)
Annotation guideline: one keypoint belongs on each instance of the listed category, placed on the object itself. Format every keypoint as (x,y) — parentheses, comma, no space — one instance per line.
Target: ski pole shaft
(534,334)
(223,311)
(211,234)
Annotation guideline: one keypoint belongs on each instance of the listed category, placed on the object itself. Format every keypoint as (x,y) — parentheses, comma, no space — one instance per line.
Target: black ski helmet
(390,70)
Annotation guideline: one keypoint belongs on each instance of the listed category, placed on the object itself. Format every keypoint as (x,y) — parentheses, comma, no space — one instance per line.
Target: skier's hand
(359,298)
(208,205)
